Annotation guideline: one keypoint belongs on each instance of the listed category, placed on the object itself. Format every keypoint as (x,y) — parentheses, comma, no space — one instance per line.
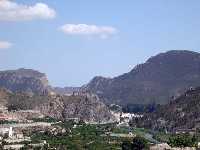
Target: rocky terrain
(32,82)
(160,78)
(65,90)
(85,107)
(181,114)
(24,80)
(26,89)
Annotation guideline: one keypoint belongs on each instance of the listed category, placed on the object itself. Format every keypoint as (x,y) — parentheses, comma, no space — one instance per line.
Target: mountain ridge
(161,77)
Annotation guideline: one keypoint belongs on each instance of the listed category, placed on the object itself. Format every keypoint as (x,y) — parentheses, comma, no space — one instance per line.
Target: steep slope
(157,80)
(4,96)
(86,107)
(182,113)
(24,80)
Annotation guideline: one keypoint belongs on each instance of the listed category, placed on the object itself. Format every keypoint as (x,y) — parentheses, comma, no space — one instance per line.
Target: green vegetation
(138,143)
(84,136)
(140,131)
(45,119)
(98,137)
(183,140)
(7,122)
(162,136)
(124,130)
(126,145)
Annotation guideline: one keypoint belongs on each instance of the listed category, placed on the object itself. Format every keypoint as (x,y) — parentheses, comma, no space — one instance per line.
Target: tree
(126,145)
(139,143)
(182,140)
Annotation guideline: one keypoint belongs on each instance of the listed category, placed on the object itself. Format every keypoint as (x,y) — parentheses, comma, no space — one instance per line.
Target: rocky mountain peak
(24,80)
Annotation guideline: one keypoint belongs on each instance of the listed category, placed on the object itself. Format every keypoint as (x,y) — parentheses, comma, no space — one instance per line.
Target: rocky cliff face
(156,81)
(84,107)
(26,89)
(24,80)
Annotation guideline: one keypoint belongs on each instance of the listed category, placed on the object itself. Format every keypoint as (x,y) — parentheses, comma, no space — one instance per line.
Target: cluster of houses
(11,135)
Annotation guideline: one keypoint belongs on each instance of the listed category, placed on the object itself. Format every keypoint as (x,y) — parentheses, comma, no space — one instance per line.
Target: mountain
(182,113)
(24,80)
(4,96)
(66,90)
(160,78)
(86,107)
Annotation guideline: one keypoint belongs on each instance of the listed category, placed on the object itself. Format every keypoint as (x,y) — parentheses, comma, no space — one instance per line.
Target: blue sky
(142,28)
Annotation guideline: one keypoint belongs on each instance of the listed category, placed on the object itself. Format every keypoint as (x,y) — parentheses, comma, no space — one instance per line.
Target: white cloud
(84,29)
(11,11)
(5,44)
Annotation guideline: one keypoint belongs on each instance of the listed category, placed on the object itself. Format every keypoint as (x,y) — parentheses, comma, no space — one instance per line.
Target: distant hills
(158,80)
(65,90)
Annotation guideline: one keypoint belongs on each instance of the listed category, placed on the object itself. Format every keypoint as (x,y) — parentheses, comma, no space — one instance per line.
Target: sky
(71,41)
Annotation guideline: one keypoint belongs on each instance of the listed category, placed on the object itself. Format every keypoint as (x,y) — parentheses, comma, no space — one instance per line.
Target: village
(13,128)
(16,129)
(40,132)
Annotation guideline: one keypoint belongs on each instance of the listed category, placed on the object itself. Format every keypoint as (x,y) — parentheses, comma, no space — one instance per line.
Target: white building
(6,131)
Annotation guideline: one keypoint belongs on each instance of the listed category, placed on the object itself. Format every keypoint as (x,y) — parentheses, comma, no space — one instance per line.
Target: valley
(157,104)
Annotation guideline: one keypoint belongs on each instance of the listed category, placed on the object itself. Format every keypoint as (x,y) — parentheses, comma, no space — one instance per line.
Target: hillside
(161,77)
(24,80)
(182,113)
(86,107)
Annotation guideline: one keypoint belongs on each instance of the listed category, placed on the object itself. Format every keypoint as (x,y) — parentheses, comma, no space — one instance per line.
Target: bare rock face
(52,108)
(28,93)
(87,107)
(24,80)
(84,107)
